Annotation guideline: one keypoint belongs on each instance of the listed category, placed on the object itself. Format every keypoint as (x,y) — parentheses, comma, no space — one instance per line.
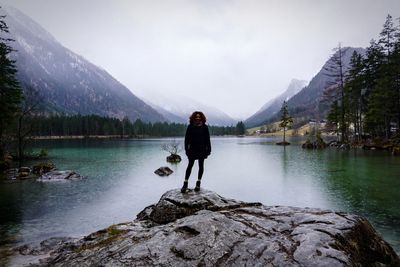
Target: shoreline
(73,137)
(69,137)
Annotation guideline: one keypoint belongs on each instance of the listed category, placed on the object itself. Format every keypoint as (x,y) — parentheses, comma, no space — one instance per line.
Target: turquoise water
(120,182)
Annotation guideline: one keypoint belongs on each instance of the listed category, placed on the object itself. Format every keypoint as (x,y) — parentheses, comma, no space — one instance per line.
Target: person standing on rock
(197,147)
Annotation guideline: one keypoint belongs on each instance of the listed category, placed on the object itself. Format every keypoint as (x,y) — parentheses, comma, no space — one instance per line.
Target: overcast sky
(234,55)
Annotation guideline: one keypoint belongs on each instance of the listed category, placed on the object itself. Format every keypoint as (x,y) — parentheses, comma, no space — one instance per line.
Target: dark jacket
(197,142)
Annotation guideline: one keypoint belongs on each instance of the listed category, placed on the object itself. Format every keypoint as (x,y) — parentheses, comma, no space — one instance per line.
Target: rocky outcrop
(205,229)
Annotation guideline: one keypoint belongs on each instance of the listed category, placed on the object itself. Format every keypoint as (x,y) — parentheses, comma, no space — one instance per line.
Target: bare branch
(173,148)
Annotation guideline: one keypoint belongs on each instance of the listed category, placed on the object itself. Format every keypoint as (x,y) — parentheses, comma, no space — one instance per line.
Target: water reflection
(120,183)
(10,215)
(285,162)
(367,184)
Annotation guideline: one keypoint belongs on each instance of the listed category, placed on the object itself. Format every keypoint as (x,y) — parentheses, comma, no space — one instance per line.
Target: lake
(120,182)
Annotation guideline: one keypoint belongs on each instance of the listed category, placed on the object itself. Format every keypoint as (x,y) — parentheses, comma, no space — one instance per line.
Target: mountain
(179,108)
(272,107)
(64,81)
(308,103)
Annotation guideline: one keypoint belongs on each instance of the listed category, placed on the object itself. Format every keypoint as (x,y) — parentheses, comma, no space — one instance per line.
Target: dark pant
(190,166)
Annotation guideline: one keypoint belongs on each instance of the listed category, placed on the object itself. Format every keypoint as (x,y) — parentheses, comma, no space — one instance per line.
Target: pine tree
(10,91)
(395,64)
(286,120)
(382,82)
(333,117)
(240,128)
(372,62)
(335,90)
(387,42)
(355,94)
(388,36)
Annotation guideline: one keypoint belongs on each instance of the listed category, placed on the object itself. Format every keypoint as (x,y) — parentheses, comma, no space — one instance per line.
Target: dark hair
(191,118)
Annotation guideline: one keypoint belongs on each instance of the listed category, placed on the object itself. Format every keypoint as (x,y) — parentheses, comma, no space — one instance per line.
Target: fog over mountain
(64,81)
(238,54)
(178,109)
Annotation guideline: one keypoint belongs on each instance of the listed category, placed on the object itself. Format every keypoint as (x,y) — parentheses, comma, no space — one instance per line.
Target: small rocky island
(205,229)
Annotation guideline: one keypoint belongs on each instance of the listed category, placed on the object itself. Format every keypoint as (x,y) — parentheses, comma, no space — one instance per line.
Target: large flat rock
(205,229)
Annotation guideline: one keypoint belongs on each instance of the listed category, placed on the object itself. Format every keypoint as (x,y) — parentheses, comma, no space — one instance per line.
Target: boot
(197,188)
(184,187)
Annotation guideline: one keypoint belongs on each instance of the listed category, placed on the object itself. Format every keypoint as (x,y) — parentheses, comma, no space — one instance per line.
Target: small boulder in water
(24,169)
(174,158)
(344,146)
(11,174)
(59,176)
(163,171)
(24,173)
(318,143)
(43,167)
(283,143)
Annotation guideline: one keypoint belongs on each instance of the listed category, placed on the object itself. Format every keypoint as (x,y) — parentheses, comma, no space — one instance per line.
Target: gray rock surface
(205,229)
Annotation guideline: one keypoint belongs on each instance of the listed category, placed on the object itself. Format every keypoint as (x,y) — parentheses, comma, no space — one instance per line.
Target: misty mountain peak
(18,20)
(273,106)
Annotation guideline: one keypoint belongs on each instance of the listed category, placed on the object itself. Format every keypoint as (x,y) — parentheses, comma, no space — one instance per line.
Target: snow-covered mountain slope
(66,82)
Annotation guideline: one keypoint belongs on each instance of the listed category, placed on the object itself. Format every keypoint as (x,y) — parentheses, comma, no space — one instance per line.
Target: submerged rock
(283,143)
(163,171)
(59,176)
(205,229)
(174,158)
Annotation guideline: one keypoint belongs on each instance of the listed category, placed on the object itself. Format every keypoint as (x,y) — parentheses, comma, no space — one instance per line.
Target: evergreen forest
(365,101)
